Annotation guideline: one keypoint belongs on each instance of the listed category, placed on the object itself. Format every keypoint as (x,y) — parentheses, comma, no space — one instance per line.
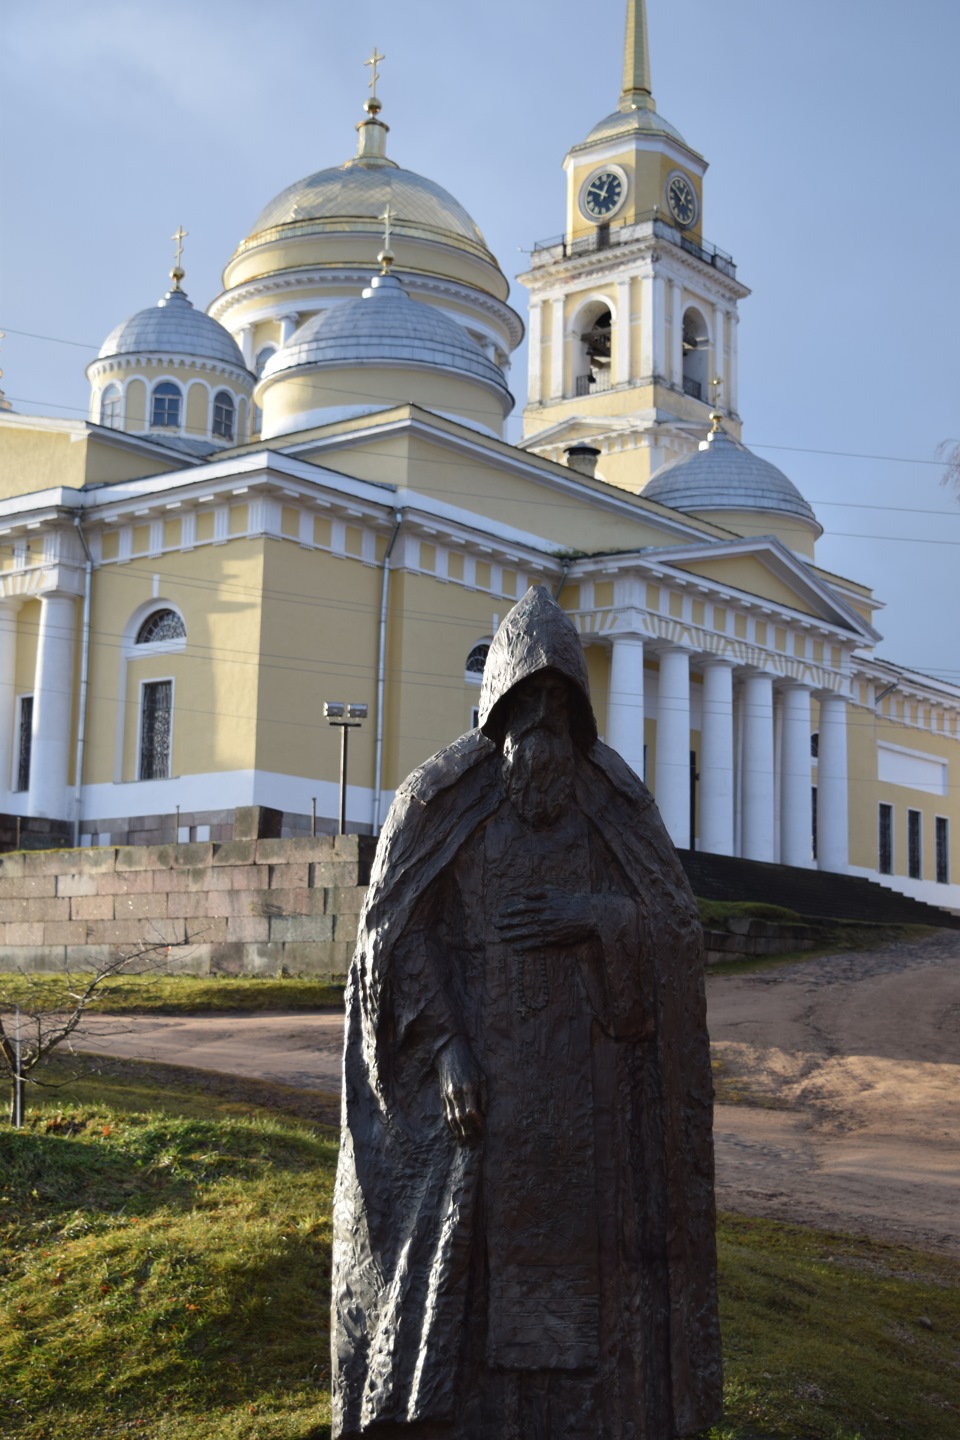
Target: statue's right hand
(462,1088)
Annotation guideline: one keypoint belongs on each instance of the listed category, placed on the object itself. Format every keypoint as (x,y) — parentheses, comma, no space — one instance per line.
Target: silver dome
(724,475)
(173,326)
(385,326)
(631,122)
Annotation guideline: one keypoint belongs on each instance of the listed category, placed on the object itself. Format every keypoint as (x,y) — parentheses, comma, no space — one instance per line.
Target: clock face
(602,194)
(681,198)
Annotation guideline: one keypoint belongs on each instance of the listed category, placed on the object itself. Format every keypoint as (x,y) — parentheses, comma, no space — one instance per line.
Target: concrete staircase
(809,892)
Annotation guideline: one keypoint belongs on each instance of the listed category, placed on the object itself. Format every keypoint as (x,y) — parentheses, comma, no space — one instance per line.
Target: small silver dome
(630,122)
(173,326)
(385,326)
(724,475)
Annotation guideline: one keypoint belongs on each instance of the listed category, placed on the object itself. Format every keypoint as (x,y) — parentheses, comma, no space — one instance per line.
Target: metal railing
(692,388)
(558,247)
(593,384)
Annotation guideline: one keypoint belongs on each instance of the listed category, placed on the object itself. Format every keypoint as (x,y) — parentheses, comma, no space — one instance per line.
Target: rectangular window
(943,850)
(156,714)
(813,822)
(914,854)
(885,840)
(24,743)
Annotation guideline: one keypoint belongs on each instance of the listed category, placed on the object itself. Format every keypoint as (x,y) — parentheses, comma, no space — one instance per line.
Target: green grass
(171,994)
(714,913)
(165,1272)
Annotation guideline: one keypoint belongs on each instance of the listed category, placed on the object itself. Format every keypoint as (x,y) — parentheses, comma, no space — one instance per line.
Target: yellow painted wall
(135,406)
(647,172)
(794,533)
(745,572)
(198,411)
(298,394)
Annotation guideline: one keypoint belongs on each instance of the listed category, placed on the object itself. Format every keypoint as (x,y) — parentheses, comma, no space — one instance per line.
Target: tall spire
(635,94)
(372,149)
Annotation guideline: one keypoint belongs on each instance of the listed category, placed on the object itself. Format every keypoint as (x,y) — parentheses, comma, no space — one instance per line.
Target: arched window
(815,744)
(473,670)
(161,625)
(223,414)
(110,405)
(696,356)
(165,409)
(262,357)
(592,367)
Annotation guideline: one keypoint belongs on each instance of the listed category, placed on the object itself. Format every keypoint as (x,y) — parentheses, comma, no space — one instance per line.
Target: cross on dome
(177,273)
(374,62)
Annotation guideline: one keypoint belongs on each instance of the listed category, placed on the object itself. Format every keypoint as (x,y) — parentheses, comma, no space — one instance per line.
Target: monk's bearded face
(538,751)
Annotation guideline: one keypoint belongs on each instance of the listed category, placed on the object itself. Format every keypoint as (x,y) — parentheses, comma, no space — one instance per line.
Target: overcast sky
(831,130)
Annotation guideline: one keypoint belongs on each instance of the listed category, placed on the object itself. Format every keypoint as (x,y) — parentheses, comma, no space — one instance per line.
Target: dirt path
(850,1067)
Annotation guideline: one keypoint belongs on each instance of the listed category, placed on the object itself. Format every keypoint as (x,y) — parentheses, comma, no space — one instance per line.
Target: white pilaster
(757,818)
(52,707)
(246,345)
(716,759)
(556,349)
(719,369)
(672,784)
(8,686)
(832,820)
(288,323)
(659,300)
(624,328)
(733,320)
(795,778)
(534,357)
(676,333)
(625,702)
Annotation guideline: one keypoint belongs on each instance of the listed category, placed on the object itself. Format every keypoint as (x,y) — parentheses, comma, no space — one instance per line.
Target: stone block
(345,929)
(136,934)
(19,887)
(183,857)
(98,859)
(75,884)
(51,862)
(205,929)
(11,865)
(40,959)
(298,847)
(20,933)
(246,877)
(293,902)
(255,822)
(329,874)
(126,882)
(193,903)
(227,958)
(326,961)
(289,877)
(65,932)
(235,852)
(313,928)
(88,957)
(92,907)
(345,899)
(44,908)
(138,907)
(248,927)
(139,857)
(196,877)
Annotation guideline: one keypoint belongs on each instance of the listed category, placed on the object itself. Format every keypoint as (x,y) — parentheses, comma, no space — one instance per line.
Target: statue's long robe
(410,1223)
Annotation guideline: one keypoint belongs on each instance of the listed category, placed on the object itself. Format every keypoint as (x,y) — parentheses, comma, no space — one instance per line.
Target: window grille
(815,745)
(26,741)
(161,625)
(223,414)
(885,840)
(155,730)
(477,658)
(165,411)
(914,855)
(943,850)
(110,407)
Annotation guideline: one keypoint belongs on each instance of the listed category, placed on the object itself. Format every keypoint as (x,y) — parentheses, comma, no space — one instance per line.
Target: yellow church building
(303,494)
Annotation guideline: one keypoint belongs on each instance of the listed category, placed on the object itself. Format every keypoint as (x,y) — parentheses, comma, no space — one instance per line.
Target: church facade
(304,495)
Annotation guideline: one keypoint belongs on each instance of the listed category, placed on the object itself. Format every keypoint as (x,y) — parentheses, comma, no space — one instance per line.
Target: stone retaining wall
(255,906)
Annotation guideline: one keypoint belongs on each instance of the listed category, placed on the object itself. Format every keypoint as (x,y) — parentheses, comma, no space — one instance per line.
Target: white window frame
(155,680)
(18,726)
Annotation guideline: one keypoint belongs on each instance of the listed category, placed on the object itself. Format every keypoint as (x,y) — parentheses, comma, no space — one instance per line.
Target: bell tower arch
(633,313)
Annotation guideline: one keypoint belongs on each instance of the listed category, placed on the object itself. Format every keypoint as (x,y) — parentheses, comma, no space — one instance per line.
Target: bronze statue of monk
(524,1214)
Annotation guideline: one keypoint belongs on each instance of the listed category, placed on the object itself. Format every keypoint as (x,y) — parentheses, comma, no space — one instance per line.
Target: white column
(795,778)
(719,372)
(625,701)
(659,324)
(646,326)
(832,821)
(8,689)
(52,707)
(757,819)
(672,785)
(733,320)
(676,334)
(622,377)
(534,357)
(716,759)
(556,350)
(288,323)
(246,345)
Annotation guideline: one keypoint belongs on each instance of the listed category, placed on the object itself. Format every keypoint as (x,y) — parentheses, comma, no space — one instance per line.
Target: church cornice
(631,248)
(168,359)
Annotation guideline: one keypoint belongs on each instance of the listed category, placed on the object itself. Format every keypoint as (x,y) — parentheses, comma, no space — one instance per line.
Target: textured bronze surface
(524,1215)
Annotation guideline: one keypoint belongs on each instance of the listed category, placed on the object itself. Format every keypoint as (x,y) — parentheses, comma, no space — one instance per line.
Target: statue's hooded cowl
(411,1286)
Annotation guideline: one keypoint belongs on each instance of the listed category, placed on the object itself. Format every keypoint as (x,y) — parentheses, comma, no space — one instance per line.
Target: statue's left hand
(548,917)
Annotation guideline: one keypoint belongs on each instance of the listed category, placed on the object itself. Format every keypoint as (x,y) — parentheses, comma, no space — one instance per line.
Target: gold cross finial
(386,254)
(374,62)
(716,385)
(176,274)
